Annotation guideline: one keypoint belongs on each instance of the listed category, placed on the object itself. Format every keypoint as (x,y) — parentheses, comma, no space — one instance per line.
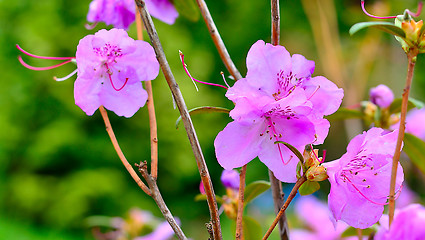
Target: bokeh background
(57,165)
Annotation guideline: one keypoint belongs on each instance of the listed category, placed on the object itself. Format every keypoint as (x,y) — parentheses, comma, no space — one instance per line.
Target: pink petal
(320,88)
(86,92)
(238,144)
(301,67)
(125,102)
(264,62)
(164,10)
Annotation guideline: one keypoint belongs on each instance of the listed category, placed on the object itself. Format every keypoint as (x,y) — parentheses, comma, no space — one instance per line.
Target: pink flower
(111,66)
(381,95)
(316,216)
(407,225)
(121,13)
(360,179)
(277,101)
(163,10)
(415,123)
(230,179)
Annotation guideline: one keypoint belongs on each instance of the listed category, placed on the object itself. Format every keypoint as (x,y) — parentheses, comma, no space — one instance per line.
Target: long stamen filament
(314,92)
(66,77)
(41,68)
(108,71)
(373,16)
(358,190)
(196,80)
(42,57)
(277,139)
(224,79)
(418,12)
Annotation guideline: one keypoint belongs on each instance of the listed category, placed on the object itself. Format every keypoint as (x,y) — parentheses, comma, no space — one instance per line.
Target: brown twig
(156,195)
(218,42)
(411,56)
(187,121)
(151,109)
(359,233)
(275,22)
(276,185)
(120,153)
(285,206)
(239,217)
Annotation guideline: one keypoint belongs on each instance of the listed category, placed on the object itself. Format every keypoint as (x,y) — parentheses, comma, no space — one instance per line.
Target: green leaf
(384,26)
(203,197)
(251,229)
(395,106)
(344,113)
(203,109)
(309,187)
(414,148)
(293,149)
(99,221)
(254,189)
(353,232)
(188,9)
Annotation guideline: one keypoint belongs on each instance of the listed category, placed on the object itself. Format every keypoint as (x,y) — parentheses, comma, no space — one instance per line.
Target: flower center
(108,52)
(286,84)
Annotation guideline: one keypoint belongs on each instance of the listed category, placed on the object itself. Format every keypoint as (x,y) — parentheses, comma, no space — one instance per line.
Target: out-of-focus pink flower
(360,178)
(230,179)
(162,232)
(119,13)
(277,101)
(316,216)
(381,95)
(408,224)
(122,13)
(415,120)
(164,10)
(111,66)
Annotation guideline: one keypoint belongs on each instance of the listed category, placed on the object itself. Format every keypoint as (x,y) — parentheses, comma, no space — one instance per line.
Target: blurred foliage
(57,166)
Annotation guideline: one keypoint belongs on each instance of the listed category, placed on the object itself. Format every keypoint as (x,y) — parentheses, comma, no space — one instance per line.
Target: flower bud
(310,158)
(381,96)
(316,173)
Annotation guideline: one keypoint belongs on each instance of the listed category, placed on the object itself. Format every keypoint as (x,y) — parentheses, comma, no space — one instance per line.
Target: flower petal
(319,88)
(164,10)
(238,144)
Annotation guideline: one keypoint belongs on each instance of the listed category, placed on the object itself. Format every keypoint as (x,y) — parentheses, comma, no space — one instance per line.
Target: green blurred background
(57,165)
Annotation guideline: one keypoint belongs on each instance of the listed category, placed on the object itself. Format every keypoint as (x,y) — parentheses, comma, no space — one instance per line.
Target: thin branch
(275,22)
(151,109)
(187,121)
(120,153)
(411,56)
(239,217)
(156,195)
(276,185)
(219,44)
(285,206)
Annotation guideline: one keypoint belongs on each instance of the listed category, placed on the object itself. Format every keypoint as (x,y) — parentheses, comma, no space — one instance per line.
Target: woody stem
(239,217)
(187,121)
(151,109)
(411,56)
(285,206)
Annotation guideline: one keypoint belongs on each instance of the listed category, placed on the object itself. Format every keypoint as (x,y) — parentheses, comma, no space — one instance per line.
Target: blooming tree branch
(411,56)
(215,35)
(151,109)
(187,121)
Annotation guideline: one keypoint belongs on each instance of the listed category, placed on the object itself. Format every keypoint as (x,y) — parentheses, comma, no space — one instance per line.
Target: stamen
(41,68)
(418,12)
(110,79)
(66,77)
(90,27)
(323,156)
(358,190)
(193,79)
(42,57)
(373,16)
(315,90)
(224,79)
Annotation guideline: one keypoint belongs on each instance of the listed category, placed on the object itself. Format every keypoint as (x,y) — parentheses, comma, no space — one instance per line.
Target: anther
(364,180)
